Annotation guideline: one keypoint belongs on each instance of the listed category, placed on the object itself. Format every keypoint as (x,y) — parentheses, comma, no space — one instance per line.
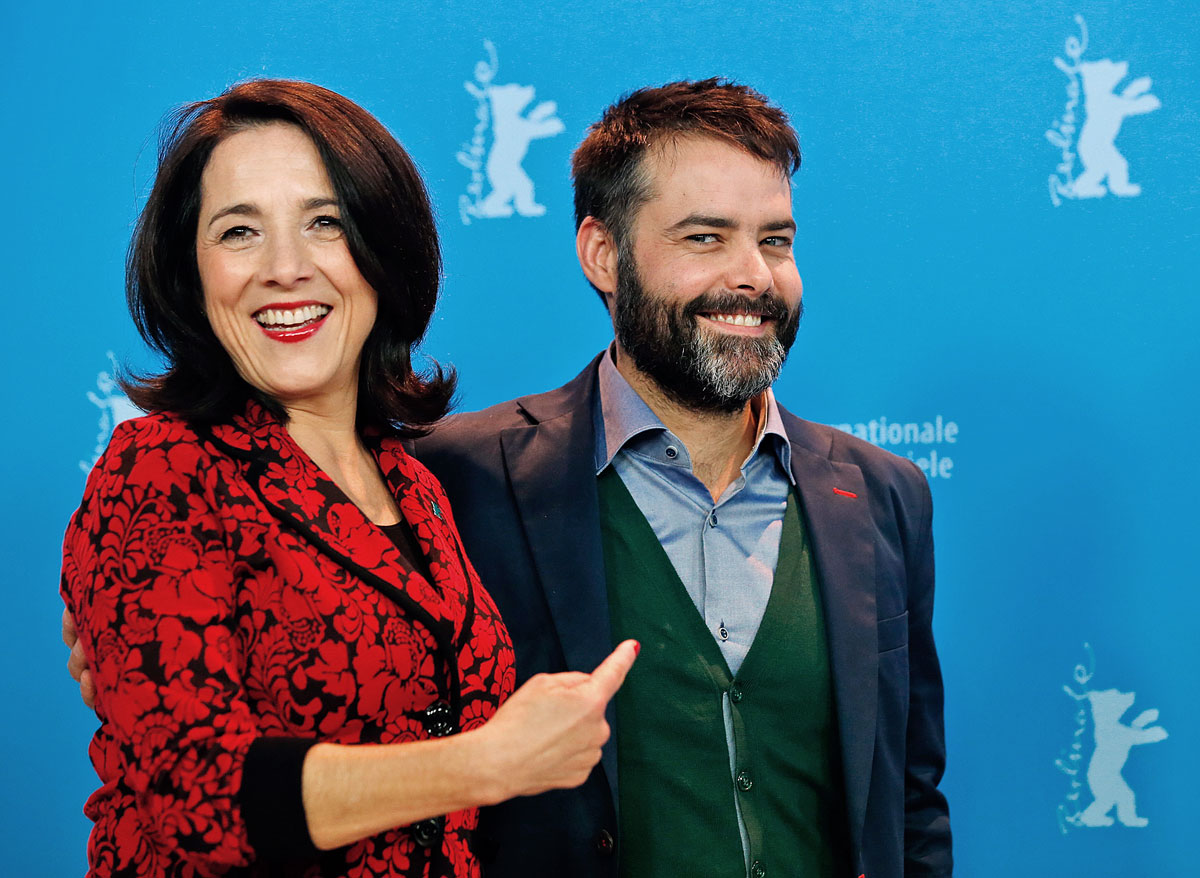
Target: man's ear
(597,252)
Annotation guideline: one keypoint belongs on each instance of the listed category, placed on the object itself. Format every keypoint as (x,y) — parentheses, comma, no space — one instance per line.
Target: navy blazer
(521,477)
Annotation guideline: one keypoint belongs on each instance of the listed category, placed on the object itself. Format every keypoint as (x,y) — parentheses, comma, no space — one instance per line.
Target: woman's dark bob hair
(389,230)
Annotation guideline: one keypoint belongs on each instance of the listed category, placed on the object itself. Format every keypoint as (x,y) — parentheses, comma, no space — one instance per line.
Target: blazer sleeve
(149,576)
(927,844)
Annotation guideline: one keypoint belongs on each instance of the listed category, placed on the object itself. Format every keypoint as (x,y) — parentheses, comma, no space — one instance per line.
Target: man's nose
(748,270)
(286,261)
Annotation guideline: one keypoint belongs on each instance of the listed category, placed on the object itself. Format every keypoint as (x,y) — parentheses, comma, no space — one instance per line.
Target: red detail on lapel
(842,493)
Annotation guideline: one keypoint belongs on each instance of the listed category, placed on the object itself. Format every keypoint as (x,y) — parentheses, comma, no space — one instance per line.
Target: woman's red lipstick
(291,321)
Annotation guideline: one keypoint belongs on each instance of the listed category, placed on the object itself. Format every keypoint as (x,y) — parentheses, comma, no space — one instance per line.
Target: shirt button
(723,632)
(758,870)
(712,518)
(744,781)
(671,451)
(735,693)
(604,843)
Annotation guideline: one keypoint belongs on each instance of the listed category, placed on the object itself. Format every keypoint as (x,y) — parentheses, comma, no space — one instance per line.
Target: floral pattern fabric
(224,590)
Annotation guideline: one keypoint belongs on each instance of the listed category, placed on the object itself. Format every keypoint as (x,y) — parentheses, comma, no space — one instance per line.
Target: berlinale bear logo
(114,406)
(1104,169)
(1113,740)
(500,109)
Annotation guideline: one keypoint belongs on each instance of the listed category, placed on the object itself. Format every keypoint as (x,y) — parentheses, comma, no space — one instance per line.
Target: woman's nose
(286,262)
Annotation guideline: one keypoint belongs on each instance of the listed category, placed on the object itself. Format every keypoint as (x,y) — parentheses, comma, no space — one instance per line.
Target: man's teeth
(737,319)
(293,317)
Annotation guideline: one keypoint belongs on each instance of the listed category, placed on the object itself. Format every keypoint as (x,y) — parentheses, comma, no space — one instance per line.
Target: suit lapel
(843,550)
(552,470)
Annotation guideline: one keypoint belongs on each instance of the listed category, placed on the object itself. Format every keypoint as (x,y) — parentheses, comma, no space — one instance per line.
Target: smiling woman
(275,267)
(297,670)
(364,201)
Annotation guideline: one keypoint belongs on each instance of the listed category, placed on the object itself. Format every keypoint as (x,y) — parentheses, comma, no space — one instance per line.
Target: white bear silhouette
(1106,110)
(1114,740)
(511,135)
(114,406)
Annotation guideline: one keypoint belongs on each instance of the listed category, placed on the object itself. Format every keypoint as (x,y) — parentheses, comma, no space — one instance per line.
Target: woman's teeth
(293,317)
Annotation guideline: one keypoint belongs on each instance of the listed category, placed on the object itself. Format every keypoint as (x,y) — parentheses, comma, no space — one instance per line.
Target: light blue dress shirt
(724,552)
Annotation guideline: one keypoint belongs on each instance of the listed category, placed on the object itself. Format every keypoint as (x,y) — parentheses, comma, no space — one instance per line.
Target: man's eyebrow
(700,219)
(722,222)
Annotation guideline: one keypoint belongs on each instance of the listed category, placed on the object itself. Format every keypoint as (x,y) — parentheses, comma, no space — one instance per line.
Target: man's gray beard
(697,367)
(722,365)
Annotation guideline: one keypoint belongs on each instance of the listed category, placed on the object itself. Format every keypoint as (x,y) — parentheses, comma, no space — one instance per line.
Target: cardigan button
(758,870)
(735,693)
(429,832)
(605,844)
(744,781)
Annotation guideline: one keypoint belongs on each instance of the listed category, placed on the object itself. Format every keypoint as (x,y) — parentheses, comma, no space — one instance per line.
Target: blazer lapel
(304,498)
(426,510)
(551,464)
(836,509)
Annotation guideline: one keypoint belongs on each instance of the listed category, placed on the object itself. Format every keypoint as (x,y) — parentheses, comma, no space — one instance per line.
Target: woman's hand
(548,735)
(77,663)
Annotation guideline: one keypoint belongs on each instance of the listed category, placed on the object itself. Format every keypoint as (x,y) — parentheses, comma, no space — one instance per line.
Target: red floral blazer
(226,590)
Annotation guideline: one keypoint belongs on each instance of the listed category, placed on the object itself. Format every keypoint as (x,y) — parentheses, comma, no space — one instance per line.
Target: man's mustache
(768,306)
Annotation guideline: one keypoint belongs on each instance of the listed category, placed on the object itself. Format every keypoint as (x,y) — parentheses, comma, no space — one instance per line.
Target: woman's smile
(292,322)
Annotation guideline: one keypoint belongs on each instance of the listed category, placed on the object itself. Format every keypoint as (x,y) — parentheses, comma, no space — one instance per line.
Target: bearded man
(785,715)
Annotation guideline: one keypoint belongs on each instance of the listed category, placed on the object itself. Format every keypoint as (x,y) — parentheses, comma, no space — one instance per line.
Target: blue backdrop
(985,292)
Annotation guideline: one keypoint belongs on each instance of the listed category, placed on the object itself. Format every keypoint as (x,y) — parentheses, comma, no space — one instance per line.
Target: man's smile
(737,322)
(735,319)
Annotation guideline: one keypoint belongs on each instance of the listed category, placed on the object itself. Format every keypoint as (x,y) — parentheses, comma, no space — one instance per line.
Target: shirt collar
(622,415)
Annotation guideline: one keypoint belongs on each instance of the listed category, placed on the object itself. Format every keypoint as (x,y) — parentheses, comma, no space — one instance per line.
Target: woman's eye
(238,236)
(236,233)
(328,225)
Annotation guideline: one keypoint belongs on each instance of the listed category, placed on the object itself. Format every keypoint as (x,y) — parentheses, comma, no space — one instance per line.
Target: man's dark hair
(390,233)
(608,169)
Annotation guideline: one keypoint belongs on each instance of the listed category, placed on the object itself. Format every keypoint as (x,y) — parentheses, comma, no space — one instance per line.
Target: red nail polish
(637,647)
